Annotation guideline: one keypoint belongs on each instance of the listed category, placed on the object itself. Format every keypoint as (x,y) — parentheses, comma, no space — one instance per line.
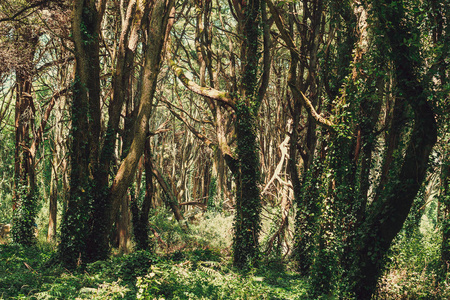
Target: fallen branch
(203,206)
(158,237)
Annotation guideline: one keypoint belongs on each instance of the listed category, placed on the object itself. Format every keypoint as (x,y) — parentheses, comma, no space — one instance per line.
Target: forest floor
(190,274)
(196,265)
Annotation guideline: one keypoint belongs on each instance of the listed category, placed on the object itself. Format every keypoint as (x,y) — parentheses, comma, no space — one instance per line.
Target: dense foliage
(224,149)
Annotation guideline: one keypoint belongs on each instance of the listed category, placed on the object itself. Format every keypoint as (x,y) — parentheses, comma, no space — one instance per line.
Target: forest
(224,149)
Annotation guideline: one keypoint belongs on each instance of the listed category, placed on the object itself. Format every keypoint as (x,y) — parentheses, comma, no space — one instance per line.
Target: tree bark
(103,220)
(24,202)
(53,200)
(24,206)
(140,214)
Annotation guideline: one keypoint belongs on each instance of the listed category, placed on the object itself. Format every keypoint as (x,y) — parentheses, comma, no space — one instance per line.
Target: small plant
(135,265)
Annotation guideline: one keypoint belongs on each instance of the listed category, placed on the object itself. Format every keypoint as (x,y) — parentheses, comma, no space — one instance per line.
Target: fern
(208,267)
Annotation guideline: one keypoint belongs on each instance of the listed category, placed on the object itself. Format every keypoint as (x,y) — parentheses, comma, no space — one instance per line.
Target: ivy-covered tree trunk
(85,131)
(445,202)
(24,203)
(248,203)
(306,191)
(24,207)
(390,209)
(439,12)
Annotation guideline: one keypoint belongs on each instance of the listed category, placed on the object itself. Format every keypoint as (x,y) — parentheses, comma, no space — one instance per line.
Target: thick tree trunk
(445,202)
(390,211)
(24,206)
(85,131)
(120,238)
(27,138)
(247,222)
(121,90)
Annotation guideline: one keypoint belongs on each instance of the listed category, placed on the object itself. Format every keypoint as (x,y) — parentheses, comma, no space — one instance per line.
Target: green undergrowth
(196,264)
(186,274)
(414,264)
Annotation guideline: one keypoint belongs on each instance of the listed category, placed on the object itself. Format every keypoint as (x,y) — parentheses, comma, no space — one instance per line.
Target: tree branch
(285,35)
(266,53)
(284,154)
(220,96)
(311,110)
(202,137)
(24,10)
(40,132)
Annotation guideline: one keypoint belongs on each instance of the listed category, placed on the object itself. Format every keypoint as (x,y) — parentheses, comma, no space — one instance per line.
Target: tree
(390,210)
(25,181)
(24,30)
(89,219)
(342,177)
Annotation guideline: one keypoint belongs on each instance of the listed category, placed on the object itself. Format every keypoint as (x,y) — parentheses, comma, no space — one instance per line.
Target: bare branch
(220,96)
(311,110)
(284,155)
(40,132)
(24,10)
(202,205)
(198,134)
(282,28)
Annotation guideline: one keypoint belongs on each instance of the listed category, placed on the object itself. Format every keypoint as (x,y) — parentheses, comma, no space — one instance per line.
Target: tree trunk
(108,203)
(389,213)
(85,132)
(124,224)
(58,162)
(141,214)
(24,205)
(24,201)
(247,222)
(53,201)
(445,201)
